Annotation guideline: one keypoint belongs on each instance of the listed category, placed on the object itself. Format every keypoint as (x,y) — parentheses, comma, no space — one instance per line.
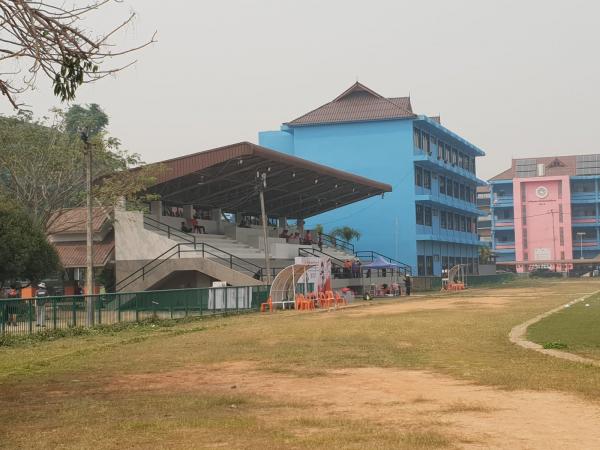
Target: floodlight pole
(262,185)
(89,267)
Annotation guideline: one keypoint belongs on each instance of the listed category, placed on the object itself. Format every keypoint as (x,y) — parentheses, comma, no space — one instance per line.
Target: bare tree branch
(45,37)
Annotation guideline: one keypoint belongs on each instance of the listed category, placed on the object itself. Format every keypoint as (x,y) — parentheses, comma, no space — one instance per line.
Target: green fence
(18,316)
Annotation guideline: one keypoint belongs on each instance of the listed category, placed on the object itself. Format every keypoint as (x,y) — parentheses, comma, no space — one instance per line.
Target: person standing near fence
(407,284)
(40,305)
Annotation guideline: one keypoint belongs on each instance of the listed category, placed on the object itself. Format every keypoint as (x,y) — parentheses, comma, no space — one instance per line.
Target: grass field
(575,329)
(432,372)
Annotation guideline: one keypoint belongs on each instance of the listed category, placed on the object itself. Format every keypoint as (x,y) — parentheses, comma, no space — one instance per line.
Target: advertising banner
(319,275)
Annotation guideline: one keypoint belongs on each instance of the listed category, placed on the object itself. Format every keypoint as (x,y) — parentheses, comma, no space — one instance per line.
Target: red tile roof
(73,254)
(73,220)
(357,104)
(553,166)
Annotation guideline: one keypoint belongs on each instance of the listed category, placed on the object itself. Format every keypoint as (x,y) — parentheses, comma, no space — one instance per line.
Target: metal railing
(192,245)
(332,241)
(370,256)
(30,315)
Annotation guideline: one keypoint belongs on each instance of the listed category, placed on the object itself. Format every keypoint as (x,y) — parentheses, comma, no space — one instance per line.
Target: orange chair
(268,303)
(324,301)
(340,299)
(302,303)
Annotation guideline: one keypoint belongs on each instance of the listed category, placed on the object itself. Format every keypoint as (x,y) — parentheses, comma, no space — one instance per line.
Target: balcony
(583,197)
(456,237)
(503,224)
(443,201)
(430,161)
(583,221)
(503,201)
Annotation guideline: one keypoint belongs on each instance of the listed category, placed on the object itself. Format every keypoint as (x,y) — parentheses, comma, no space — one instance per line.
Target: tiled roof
(73,254)
(553,166)
(357,104)
(73,220)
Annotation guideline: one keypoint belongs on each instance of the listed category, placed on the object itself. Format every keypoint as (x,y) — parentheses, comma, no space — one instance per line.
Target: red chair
(267,304)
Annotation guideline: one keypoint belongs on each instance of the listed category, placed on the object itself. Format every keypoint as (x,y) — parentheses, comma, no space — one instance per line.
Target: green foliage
(485,254)
(42,163)
(319,228)
(346,233)
(24,251)
(70,77)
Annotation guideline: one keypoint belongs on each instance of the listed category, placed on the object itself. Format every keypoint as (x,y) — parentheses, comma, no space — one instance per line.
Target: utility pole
(262,185)
(89,247)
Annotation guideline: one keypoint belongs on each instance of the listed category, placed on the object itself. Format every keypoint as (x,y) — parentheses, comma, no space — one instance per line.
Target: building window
(443,219)
(454,156)
(450,221)
(419,211)
(426,179)
(456,190)
(429,265)
(463,224)
(525,256)
(562,236)
(523,193)
(462,192)
(427,220)
(523,215)
(446,152)
(456,222)
(417,138)
(426,143)
(560,214)
(418,176)
(421,265)
(442,184)
(560,189)
(524,237)
(440,147)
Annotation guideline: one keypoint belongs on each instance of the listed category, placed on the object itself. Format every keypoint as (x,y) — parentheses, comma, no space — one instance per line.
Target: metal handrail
(338,243)
(407,268)
(314,252)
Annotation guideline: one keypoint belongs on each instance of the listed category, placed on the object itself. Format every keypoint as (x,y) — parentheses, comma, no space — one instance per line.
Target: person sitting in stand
(308,238)
(185,228)
(295,239)
(197,227)
(284,235)
(347,268)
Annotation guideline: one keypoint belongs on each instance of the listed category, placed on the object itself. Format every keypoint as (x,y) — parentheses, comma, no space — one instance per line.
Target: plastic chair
(268,303)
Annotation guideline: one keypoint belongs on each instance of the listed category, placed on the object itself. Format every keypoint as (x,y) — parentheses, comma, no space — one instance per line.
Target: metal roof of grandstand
(226,178)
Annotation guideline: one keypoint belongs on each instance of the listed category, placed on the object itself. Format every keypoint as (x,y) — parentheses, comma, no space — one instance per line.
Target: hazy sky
(516,78)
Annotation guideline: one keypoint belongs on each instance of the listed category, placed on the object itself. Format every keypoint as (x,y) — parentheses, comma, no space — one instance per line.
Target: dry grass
(52,393)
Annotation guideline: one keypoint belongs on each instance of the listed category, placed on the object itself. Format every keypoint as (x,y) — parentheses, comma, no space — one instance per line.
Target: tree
(45,37)
(347,233)
(24,251)
(42,168)
(485,254)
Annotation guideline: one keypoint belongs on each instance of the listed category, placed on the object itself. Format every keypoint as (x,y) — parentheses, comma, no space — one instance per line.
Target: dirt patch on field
(483,417)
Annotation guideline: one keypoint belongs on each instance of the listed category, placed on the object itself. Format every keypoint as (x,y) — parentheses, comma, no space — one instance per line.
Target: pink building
(544,213)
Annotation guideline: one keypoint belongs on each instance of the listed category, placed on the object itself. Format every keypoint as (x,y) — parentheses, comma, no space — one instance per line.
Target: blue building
(429,220)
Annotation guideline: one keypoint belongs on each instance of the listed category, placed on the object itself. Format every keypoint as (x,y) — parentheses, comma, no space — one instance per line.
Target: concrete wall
(133,242)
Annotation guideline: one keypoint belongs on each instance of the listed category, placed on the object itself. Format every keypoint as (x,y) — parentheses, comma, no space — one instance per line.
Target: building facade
(546,213)
(429,220)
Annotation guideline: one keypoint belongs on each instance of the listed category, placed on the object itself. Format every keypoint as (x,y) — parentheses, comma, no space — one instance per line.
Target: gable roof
(74,220)
(358,103)
(554,166)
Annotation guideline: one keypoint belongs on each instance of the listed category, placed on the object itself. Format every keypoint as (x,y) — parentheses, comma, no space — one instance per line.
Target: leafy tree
(42,166)
(346,233)
(24,251)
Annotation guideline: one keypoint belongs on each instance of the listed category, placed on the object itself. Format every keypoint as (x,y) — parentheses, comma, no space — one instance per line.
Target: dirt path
(518,335)
(476,416)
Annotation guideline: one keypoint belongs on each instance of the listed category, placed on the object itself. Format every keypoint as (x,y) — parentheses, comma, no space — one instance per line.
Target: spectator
(320,242)
(184,228)
(284,235)
(197,227)
(407,284)
(40,305)
(308,238)
(347,268)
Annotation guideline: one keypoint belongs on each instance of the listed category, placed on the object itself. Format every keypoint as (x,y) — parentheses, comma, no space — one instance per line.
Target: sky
(516,78)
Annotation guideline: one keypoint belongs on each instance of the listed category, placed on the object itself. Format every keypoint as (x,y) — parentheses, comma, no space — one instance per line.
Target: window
(445,263)
(426,179)
(468,194)
(560,189)
(446,152)
(454,156)
(426,143)
(456,222)
(419,211)
(443,219)
(462,192)
(417,138)
(421,265)
(440,147)
(560,213)
(463,224)
(562,236)
(427,220)
(442,184)
(450,221)
(429,265)
(523,193)
(525,256)
(418,176)
(456,190)
(523,215)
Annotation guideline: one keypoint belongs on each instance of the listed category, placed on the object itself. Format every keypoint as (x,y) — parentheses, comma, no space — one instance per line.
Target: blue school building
(429,220)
